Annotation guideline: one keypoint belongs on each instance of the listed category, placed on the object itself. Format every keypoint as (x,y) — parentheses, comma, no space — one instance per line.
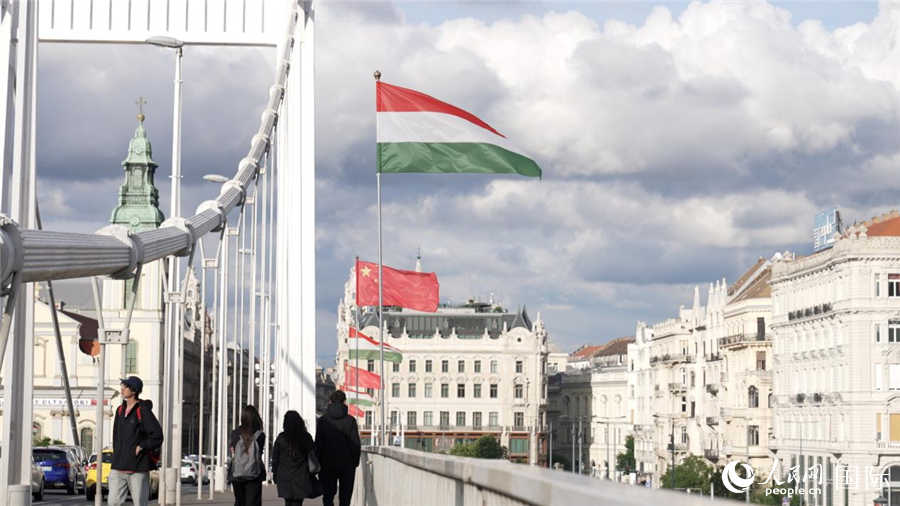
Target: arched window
(769,401)
(891,481)
(753,397)
(87,439)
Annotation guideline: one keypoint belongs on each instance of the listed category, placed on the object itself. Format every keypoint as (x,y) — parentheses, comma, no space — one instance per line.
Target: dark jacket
(139,427)
(260,443)
(337,438)
(290,468)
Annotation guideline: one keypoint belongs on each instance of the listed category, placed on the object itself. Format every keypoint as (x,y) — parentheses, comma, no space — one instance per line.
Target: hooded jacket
(337,438)
(131,431)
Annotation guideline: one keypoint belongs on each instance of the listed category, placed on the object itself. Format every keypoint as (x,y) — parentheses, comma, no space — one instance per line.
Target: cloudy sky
(679,142)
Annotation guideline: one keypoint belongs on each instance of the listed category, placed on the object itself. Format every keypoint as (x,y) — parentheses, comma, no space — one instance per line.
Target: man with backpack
(338,447)
(137,438)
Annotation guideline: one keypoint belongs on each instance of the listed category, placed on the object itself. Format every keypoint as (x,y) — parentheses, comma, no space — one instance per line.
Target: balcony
(677,388)
(816,310)
(711,454)
(741,339)
(712,388)
(672,359)
(712,420)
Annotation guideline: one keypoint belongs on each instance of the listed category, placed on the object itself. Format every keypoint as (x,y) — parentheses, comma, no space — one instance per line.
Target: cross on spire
(140,103)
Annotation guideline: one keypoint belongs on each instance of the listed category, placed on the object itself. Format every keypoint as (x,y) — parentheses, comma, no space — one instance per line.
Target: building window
(461,366)
(893,285)
(131,357)
(428,366)
(445,390)
(460,390)
(370,365)
(428,388)
(411,418)
(760,360)
(476,390)
(411,390)
(493,366)
(683,404)
(518,366)
(493,390)
(395,367)
(684,435)
(517,391)
(476,420)
(445,419)
(426,418)
(519,419)
(894,331)
(460,418)
(412,366)
(477,366)
(445,366)
(87,439)
(693,408)
(753,435)
(493,419)
(753,397)
(368,418)
(878,285)
(877,333)
(395,389)
(693,378)
(393,417)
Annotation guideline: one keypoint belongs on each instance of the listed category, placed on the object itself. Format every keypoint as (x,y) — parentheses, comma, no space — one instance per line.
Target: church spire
(138,203)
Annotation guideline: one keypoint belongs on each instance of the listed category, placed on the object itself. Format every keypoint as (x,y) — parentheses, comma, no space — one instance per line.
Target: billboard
(826,224)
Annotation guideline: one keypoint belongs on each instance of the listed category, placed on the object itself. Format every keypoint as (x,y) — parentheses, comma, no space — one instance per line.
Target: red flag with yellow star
(409,289)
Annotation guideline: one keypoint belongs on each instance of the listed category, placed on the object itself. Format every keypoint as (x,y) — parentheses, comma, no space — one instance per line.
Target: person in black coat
(338,448)
(290,460)
(248,492)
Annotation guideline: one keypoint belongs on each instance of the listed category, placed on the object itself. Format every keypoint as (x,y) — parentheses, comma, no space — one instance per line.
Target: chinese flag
(359,378)
(409,289)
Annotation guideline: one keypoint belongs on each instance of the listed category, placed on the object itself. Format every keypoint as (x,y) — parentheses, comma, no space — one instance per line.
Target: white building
(836,318)
(466,371)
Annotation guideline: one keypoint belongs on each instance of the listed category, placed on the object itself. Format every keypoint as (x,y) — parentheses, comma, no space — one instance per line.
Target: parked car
(189,471)
(37,481)
(58,467)
(91,477)
(78,463)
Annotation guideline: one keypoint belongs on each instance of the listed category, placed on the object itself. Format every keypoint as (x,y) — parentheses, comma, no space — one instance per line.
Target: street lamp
(168,479)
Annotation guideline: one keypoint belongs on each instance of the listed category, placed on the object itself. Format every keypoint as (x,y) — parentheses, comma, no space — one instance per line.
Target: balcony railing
(711,454)
(668,358)
(740,339)
(810,311)
(677,387)
(712,420)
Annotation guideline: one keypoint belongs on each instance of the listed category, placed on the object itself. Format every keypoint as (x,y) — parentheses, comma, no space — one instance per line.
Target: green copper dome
(138,206)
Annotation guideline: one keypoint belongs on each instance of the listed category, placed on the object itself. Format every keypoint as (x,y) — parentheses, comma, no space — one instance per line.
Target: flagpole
(380,288)
(356,323)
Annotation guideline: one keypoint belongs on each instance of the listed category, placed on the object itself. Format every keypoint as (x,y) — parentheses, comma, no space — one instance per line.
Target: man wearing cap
(137,437)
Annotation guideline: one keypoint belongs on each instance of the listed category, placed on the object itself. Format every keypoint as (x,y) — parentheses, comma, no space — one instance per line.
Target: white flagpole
(380,291)
(358,330)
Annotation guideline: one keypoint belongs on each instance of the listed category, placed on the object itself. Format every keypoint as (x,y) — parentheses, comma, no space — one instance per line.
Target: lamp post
(606,421)
(169,483)
(220,304)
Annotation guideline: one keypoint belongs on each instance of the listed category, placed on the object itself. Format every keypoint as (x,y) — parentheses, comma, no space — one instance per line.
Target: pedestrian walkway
(270,498)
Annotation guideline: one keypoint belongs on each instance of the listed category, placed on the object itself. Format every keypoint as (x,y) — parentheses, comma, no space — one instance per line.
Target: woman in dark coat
(290,464)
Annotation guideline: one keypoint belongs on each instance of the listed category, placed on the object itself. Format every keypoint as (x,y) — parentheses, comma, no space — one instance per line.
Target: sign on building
(826,224)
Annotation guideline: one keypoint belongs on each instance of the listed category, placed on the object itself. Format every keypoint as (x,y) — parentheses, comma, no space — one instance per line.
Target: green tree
(625,461)
(485,447)
(46,442)
(693,473)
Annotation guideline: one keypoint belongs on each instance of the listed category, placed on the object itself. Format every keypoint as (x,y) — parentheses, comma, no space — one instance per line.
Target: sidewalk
(270,498)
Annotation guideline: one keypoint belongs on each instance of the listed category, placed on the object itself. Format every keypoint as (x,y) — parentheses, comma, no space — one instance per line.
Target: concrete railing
(399,477)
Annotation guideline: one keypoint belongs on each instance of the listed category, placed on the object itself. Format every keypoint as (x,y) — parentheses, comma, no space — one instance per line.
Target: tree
(693,473)
(46,442)
(625,461)
(485,447)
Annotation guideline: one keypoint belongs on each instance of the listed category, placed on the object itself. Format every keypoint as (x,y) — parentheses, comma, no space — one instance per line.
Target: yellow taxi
(90,479)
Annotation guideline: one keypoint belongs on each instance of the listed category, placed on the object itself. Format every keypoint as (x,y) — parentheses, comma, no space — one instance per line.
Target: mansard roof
(467,325)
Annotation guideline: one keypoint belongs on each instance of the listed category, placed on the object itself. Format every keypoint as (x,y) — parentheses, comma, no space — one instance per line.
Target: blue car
(57,467)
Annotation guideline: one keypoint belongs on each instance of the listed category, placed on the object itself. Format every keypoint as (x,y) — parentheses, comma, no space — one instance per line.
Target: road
(59,497)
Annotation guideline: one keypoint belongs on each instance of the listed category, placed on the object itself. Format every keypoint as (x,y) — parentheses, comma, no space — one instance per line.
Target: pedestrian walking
(337,444)
(294,462)
(247,470)
(137,438)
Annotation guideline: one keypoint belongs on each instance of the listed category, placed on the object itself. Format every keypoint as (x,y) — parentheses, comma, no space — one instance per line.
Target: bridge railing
(389,476)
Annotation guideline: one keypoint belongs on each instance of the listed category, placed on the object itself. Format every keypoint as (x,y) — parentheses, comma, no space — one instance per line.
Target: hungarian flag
(358,397)
(409,289)
(370,349)
(355,411)
(419,133)
(360,378)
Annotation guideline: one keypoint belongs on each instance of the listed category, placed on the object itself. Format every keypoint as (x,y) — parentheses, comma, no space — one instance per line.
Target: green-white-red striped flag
(358,396)
(419,133)
(370,349)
